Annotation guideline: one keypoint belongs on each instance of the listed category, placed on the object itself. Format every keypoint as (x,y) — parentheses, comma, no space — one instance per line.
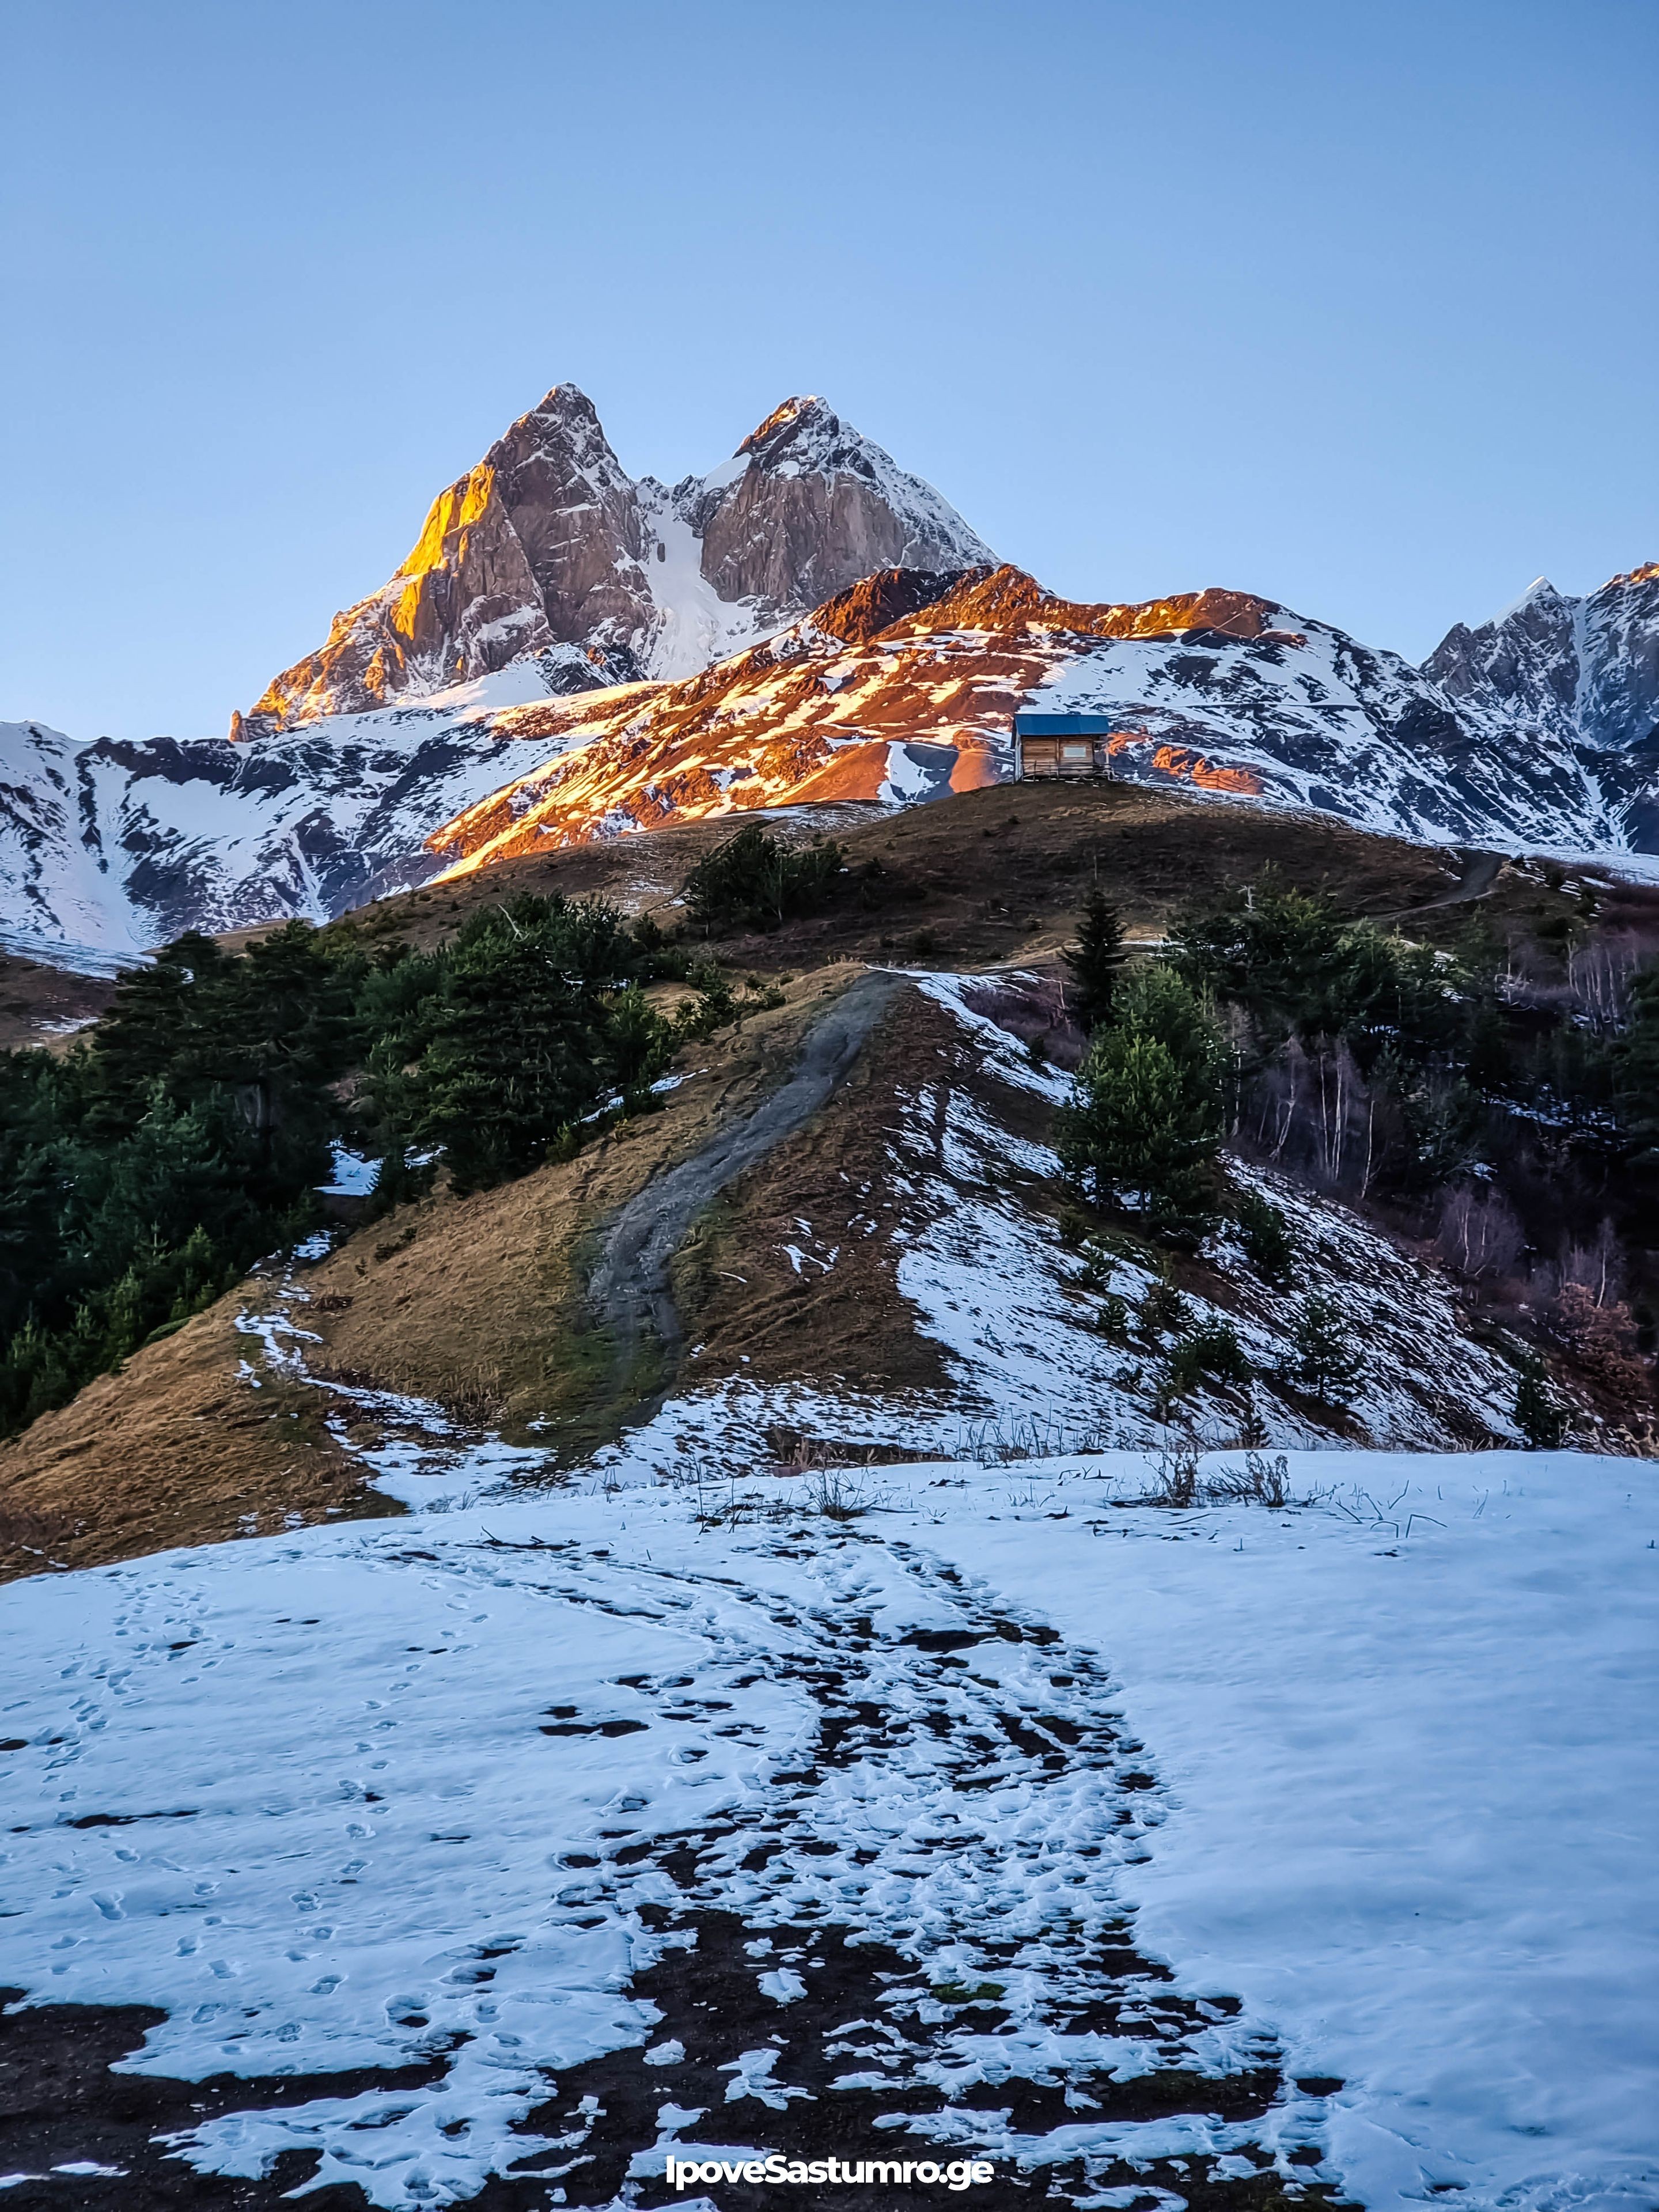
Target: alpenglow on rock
(550,552)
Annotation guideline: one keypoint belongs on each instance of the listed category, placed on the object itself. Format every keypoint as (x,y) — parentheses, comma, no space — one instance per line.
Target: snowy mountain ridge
(570,654)
(548,549)
(1225,693)
(1539,733)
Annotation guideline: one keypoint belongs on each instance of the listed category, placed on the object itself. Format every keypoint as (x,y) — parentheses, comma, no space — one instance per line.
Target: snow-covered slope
(1580,676)
(1585,671)
(112,847)
(1226,692)
(716,1795)
(1304,715)
(1214,1847)
(956,1208)
(549,545)
(901,689)
(63,899)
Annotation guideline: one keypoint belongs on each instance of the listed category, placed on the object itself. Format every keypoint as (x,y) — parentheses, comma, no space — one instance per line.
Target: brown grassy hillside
(478,1304)
(473,1302)
(980,876)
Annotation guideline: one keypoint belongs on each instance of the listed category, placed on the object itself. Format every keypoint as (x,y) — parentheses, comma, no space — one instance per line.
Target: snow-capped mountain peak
(786,421)
(570,652)
(549,552)
(1580,672)
(1540,589)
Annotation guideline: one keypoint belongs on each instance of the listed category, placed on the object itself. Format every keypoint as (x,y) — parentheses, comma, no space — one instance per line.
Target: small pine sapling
(1095,961)
(1162,1309)
(1112,1319)
(1266,1236)
(1211,1352)
(1326,1364)
(1097,1265)
(1538,1414)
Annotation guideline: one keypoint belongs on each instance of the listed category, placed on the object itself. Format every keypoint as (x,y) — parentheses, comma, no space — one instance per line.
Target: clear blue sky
(1353,306)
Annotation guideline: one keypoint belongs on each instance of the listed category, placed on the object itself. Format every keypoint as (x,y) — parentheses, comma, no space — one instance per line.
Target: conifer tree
(1145,1122)
(151,1030)
(1094,963)
(1538,1415)
(1326,1364)
(1637,1074)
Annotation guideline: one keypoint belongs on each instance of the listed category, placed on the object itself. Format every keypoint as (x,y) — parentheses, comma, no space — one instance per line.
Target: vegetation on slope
(1488,1106)
(1511,1126)
(754,881)
(143,1172)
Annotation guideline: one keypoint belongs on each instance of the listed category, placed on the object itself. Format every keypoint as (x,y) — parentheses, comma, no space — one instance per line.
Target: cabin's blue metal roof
(1063,725)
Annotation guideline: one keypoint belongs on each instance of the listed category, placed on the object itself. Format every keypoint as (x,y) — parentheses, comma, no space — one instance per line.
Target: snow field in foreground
(1402,1738)
(1413,1796)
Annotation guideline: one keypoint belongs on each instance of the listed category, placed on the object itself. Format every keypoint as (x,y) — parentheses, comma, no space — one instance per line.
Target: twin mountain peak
(570,654)
(548,548)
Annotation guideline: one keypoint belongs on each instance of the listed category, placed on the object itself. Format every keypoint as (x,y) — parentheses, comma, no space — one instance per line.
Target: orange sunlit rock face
(538,546)
(548,548)
(1177,761)
(1184,765)
(903,686)
(976,766)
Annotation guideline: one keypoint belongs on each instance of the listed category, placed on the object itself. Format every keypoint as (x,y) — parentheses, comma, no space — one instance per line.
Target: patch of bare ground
(832,1314)
(42,1005)
(482,1302)
(177,1448)
(61,2103)
(793,1275)
(884,2044)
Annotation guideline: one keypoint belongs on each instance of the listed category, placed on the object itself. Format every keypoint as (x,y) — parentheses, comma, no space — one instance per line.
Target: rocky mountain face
(109,847)
(550,552)
(899,689)
(1581,671)
(907,686)
(1578,677)
(58,897)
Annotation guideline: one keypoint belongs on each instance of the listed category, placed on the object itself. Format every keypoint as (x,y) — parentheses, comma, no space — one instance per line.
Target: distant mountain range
(569,654)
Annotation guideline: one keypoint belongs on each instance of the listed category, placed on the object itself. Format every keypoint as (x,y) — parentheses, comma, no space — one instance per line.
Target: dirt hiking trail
(629,1290)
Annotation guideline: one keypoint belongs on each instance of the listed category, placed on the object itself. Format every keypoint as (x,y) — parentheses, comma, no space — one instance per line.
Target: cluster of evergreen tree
(142,1174)
(1378,1065)
(1435,1051)
(756,881)
(1147,1119)
(1271,1008)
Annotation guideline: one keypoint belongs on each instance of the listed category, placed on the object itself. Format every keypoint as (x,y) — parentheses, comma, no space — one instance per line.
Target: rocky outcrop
(1581,671)
(1007,599)
(541,547)
(815,508)
(547,552)
(906,685)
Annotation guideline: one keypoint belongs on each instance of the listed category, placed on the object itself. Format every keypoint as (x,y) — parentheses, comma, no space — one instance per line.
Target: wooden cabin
(1065,745)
